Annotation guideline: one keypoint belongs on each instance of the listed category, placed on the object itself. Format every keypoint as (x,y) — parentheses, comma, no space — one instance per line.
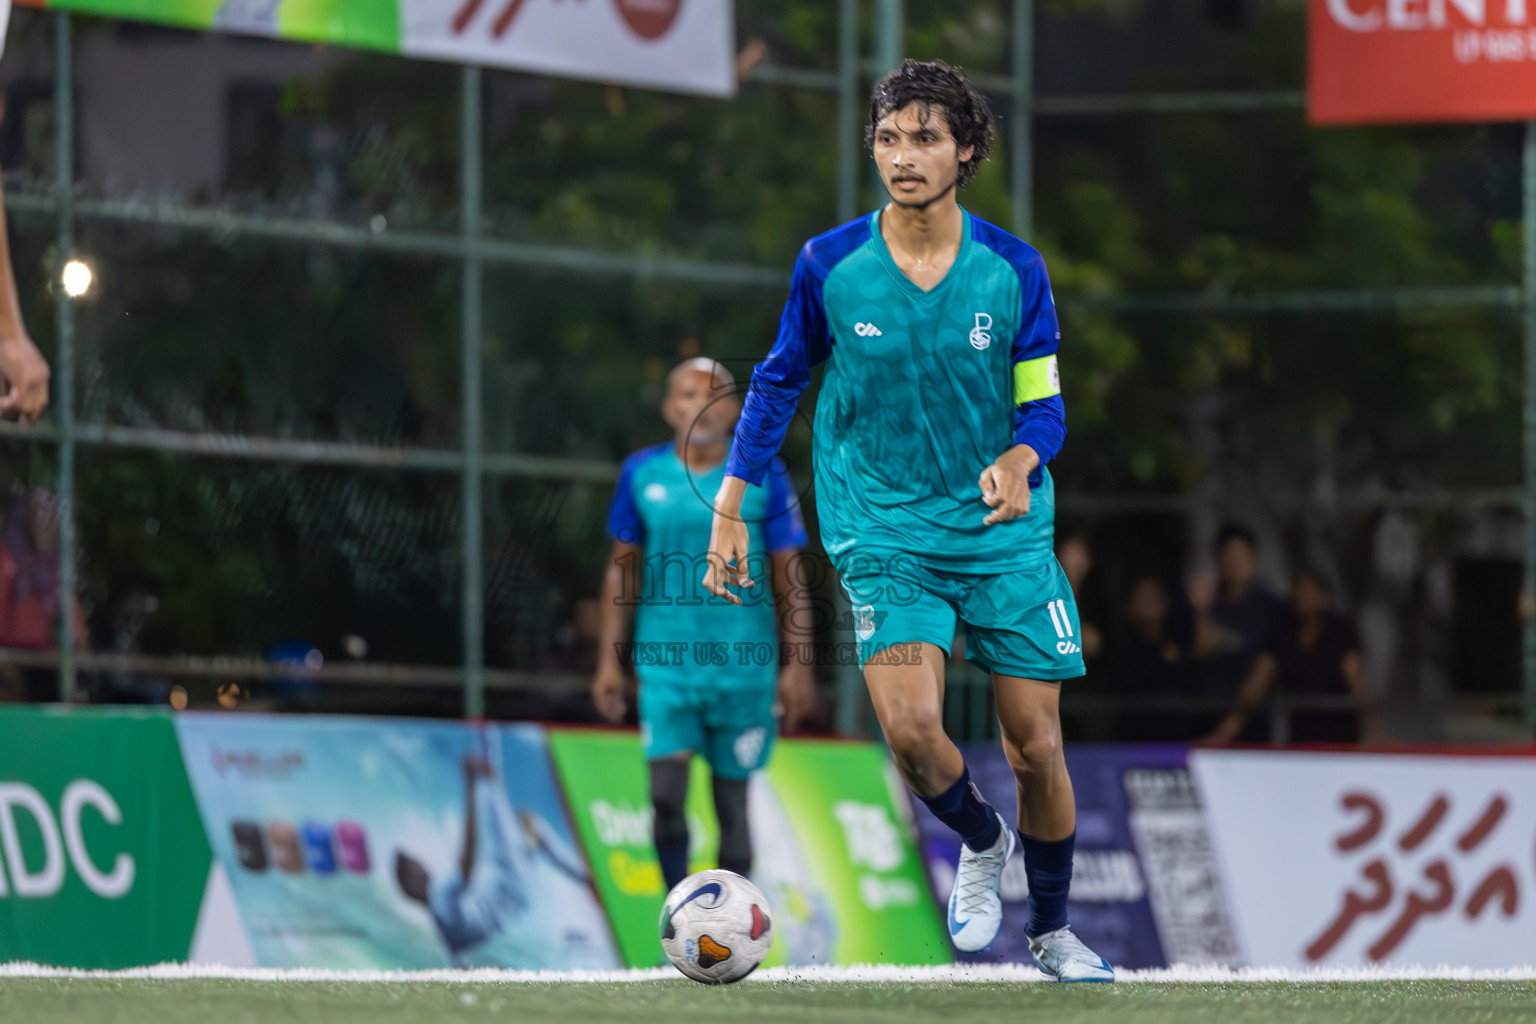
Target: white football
(716,927)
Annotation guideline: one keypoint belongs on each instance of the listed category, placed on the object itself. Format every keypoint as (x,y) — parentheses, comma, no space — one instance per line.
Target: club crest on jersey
(981,334)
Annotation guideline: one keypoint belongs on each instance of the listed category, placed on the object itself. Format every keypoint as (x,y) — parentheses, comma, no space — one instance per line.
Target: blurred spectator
(1314,652)
(1076,559)
(1155,656)
(1235,618)
(29,592)
(1241,614)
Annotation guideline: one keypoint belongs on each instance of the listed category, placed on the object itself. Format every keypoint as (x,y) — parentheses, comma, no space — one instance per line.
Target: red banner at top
(1378,61)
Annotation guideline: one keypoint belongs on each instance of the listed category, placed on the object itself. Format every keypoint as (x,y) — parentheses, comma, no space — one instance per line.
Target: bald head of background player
(701,408)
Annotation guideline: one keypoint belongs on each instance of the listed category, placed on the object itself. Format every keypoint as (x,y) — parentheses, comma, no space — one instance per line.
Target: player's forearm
(617,613)
(793,604)
(11,326)
(771,402)
(1024,457)
(1041,424)
(728,498)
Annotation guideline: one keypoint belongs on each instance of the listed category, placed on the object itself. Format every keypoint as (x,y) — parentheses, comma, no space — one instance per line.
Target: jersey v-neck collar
(908,286)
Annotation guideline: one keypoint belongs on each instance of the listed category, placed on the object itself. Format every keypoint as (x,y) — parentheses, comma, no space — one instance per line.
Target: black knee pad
(669,793)
(735,832)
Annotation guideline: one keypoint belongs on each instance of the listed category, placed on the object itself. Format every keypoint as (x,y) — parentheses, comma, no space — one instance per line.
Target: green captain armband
(1034,379)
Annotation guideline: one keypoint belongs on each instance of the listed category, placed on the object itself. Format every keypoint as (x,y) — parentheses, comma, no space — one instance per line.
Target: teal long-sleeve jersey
(922,391)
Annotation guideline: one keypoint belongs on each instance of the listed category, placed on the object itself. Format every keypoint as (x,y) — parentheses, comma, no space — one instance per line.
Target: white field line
(945,974)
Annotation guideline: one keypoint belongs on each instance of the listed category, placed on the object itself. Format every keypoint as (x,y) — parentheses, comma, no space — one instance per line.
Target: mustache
(924,204)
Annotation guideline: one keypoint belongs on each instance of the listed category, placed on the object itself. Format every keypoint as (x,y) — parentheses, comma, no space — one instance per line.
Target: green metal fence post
(890,32)
(64,355)
(1528,319)
(853,706)
(473,507)
(1021,134)
(890,40)
(851,701)
(847,109)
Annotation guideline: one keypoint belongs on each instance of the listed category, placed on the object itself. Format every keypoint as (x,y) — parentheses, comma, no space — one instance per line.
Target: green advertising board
(851,818)
(105,860)
(834,849)
(371,25)
(604,778)
(635,43)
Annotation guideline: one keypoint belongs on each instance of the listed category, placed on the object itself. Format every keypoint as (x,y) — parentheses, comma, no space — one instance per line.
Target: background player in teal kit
(939,409)
(704,685)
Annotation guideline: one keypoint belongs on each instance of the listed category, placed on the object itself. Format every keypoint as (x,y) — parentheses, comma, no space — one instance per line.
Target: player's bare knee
(1034,754)
(915,741)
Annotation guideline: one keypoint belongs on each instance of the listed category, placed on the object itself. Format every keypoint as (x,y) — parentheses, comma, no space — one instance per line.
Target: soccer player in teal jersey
(708,672)
(939,409)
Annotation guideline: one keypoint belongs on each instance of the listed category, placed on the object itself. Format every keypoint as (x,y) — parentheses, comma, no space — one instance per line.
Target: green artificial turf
(121,1001)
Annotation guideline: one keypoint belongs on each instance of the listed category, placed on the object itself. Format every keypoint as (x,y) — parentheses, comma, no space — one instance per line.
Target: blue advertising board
(351,843)
(1145,892)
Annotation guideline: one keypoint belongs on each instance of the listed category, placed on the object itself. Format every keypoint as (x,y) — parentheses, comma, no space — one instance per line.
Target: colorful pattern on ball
(716,927)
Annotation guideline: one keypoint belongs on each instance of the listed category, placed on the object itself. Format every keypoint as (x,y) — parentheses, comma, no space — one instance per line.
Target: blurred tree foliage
(208,333)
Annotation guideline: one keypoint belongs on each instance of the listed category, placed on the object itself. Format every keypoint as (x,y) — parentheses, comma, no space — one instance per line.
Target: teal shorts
(1021,623)
(733,728)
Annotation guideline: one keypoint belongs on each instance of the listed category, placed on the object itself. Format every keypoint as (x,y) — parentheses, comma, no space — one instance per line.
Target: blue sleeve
(1039,418)
(780,379)
(624,522)
(784,528)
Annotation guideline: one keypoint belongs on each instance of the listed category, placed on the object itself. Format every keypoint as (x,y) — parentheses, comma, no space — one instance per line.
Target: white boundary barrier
(870,973)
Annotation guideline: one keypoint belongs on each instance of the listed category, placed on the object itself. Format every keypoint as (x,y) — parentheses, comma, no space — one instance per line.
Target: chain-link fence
(338,422)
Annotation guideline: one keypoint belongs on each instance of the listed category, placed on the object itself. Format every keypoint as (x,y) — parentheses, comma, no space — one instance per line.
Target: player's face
(697,407)
(917,156)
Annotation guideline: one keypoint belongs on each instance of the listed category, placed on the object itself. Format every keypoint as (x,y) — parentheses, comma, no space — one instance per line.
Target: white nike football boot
(1062,956)
(975,906)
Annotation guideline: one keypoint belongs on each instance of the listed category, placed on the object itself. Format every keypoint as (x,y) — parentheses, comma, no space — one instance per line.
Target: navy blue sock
(674,862)
(1048,866)
(962,809)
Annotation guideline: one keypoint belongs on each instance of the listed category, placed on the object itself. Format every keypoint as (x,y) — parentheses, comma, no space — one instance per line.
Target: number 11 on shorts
(1063,624)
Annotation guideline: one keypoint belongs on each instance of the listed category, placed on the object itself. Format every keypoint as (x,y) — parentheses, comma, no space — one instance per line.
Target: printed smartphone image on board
(317,848)
(250,845)
(285,848)
(352,847)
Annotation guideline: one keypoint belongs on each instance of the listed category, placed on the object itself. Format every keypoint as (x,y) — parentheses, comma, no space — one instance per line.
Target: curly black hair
(930,84)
